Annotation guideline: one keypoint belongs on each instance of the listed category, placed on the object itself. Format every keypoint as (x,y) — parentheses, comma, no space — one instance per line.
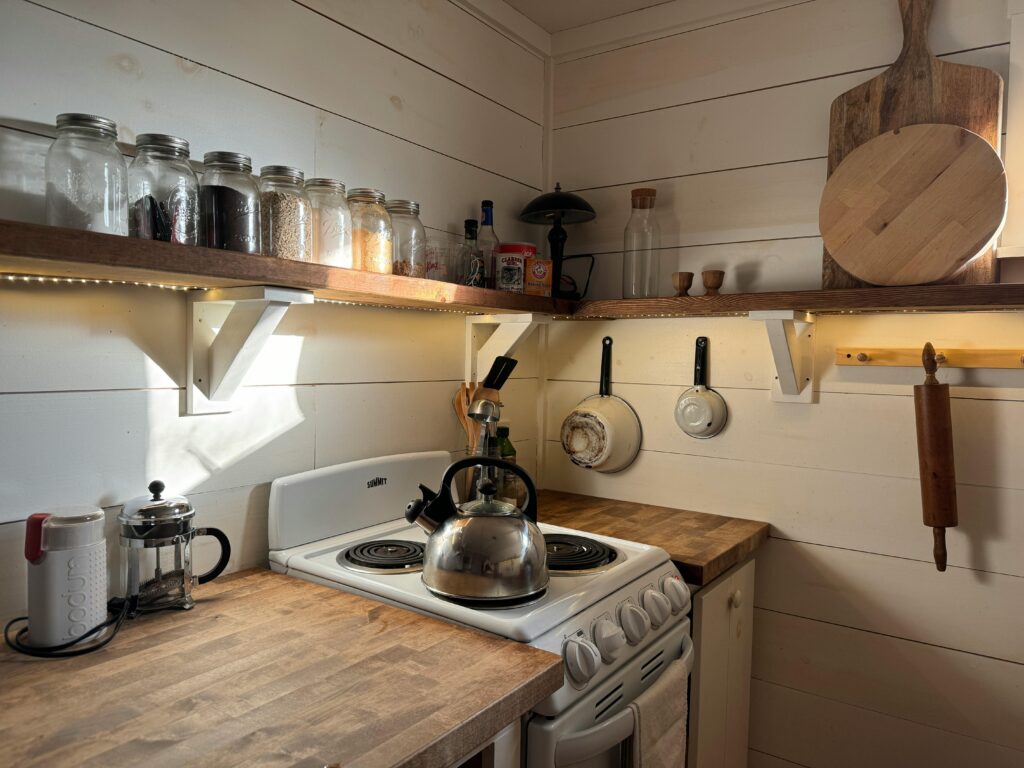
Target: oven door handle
(603,736)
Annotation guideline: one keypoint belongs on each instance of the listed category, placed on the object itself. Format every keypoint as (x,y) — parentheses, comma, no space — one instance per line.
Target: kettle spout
(424,512)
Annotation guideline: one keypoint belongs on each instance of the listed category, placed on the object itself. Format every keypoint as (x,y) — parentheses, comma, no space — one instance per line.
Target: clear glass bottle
(164,191)
(86,176)
(229,203)
(286,217)
(372,237)
(410,239)
(332,223)
(487,241)
(639,251)
(470,261)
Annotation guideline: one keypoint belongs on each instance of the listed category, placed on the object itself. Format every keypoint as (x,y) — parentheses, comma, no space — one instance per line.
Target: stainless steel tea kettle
(486,553)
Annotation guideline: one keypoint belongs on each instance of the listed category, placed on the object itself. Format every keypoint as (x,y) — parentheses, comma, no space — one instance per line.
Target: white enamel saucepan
(701,412)
(602,432)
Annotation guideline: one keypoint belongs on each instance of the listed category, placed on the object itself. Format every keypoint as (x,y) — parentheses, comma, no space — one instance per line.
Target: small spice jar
(409,239)
(86,176)
(163,190)
(285,214)
(229,203)
(371,230)
(332,223)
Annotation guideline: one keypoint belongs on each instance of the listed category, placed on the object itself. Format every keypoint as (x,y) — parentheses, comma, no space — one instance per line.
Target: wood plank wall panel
(331,68)
(864,654)
(91,377)
(715,112)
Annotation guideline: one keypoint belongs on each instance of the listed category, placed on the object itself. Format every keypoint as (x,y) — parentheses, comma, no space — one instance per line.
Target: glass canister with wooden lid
(372,236)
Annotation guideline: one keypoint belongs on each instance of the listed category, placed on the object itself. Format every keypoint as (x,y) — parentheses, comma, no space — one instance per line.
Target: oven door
(595,731)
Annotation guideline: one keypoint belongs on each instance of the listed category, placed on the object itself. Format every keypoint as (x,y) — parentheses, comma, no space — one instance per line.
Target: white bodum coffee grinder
(156,547)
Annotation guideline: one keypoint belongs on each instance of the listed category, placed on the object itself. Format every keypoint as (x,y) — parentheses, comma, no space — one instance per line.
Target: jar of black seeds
(163,191)
(229,203)
(285,214)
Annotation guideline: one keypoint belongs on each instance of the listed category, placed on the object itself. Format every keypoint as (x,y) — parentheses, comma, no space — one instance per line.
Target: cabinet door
(723,615)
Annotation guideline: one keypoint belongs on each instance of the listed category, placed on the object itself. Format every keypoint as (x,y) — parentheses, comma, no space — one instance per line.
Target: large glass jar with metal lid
(229,203)
(86,176)
(371,230)
(332,223)
(163,191)
(409,238)
(285,214)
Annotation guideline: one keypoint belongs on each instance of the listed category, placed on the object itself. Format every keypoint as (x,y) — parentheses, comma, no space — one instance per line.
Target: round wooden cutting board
(914,205)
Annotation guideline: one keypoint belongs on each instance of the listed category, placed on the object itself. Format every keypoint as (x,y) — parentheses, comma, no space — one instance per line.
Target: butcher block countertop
(269,670)
(703,546)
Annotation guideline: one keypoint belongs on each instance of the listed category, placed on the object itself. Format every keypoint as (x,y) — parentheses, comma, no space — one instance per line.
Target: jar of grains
(371,230)
(285,214)
(332,223)
(229,203)
(86,176)
(163,190)
(410,239)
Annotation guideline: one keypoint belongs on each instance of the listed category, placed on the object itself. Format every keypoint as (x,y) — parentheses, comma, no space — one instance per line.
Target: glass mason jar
(640,244)
(229,203)
(164,191)
(371,231)
(286,216)
(332,223)
(86,176)
(410,239)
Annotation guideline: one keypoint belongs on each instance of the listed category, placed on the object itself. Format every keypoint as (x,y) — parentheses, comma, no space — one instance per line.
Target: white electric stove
(615,610)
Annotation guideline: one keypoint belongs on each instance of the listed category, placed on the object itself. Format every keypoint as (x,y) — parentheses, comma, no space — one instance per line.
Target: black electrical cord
(118,606)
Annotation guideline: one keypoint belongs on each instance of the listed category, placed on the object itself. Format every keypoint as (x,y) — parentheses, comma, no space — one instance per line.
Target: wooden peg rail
(947,358)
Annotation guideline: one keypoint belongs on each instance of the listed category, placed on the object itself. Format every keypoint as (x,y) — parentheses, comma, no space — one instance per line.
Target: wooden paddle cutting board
(917,88)
(914,205)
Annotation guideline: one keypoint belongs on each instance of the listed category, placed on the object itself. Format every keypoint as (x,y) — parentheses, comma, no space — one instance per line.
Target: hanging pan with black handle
(603,432)
(701,412)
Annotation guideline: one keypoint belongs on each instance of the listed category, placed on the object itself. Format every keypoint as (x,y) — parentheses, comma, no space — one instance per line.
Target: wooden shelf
(938,298)
(32,249)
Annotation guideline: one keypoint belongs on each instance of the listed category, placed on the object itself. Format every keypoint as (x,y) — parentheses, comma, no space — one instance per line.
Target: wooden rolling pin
(935,454)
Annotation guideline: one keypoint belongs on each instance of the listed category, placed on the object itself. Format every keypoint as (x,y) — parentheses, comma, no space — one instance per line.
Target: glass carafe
(640,248)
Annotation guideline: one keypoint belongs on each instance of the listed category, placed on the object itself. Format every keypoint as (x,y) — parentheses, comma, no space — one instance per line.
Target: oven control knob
(582,659)
(635,623)
(677,592)
(609,639)
(657,606)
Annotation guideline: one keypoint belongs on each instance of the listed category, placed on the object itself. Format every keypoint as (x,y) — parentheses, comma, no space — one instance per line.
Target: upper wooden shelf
(34,249)
(921,298)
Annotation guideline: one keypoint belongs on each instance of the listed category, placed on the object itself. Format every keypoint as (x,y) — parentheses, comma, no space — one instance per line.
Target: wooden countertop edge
(574,510)
(449,748)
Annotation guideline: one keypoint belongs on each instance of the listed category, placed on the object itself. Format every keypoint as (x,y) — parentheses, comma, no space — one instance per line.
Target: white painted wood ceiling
(557,15)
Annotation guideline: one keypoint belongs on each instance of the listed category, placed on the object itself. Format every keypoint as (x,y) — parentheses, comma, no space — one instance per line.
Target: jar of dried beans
(371,231)
(285,213)
(410,239)
(229,203)
(332,223)
(163,190)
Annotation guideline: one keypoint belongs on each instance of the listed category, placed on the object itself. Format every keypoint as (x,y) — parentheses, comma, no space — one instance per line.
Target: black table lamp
(557,208)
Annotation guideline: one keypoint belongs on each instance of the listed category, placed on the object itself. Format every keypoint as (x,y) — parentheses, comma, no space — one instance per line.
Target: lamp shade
(557,206)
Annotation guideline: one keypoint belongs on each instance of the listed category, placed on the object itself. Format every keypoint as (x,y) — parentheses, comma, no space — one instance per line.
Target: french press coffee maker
(156,545)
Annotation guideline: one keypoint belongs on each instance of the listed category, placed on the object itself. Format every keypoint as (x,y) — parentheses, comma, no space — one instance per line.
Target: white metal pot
(603,432)
(701,412)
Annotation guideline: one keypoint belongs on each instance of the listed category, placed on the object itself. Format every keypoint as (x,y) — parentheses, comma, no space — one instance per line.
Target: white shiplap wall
(423,100)
(863,653)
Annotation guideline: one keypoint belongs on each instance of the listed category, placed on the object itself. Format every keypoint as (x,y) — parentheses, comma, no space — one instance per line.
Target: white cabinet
(723,615)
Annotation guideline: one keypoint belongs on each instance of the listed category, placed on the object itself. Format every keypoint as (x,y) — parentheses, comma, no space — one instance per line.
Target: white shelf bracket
(217,361)
(491,336)
(791,338)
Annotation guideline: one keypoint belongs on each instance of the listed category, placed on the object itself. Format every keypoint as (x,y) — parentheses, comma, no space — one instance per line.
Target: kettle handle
(225,554)
(488,461)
